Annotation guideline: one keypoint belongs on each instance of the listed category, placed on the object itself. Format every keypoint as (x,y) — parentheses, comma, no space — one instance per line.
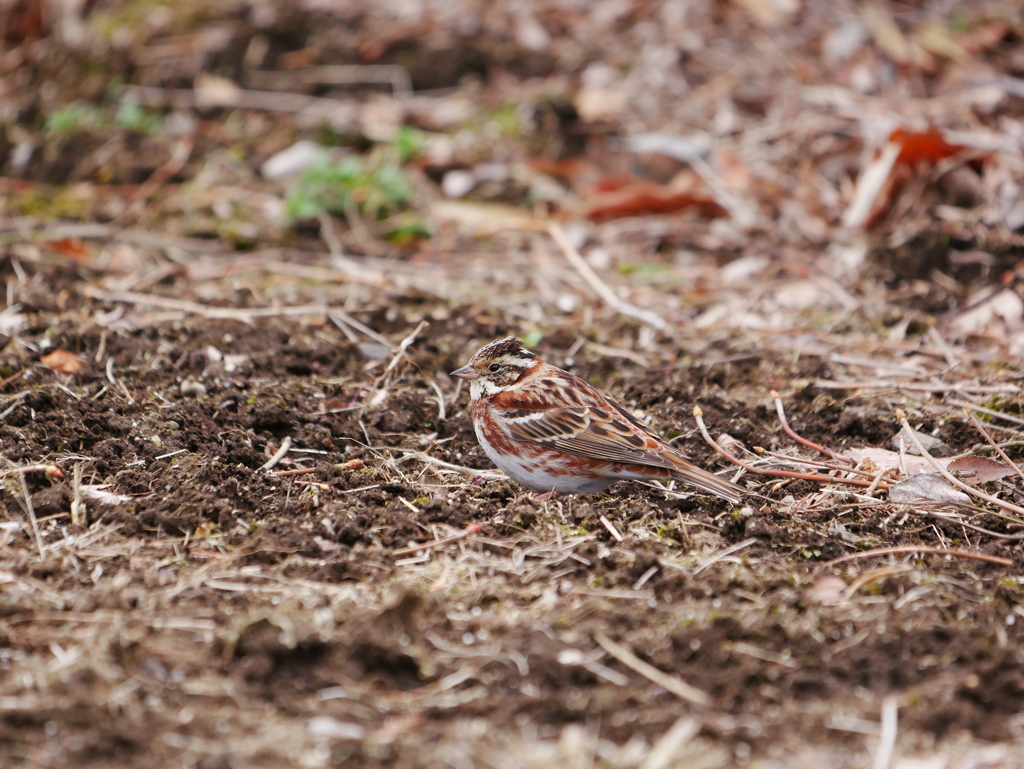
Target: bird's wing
(589,431)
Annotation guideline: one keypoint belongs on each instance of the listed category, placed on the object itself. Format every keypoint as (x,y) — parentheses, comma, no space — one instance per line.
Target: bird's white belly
(543,472)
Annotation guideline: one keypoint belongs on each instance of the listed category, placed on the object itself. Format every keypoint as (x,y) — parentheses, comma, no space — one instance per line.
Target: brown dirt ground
(217,611)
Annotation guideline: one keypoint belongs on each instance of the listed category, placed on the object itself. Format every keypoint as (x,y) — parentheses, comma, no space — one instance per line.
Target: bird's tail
(689,473)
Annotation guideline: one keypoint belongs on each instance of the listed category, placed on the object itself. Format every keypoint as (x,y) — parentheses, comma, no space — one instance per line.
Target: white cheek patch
(481,387)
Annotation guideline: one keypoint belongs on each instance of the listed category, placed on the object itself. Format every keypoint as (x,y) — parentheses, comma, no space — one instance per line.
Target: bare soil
(217,610)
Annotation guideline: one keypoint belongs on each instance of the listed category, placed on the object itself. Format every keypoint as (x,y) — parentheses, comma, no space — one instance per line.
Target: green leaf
(409,142)
(532,339)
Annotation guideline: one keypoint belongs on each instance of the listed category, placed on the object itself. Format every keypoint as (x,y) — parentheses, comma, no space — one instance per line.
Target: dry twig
(781,412)
(698,414)
(279,454)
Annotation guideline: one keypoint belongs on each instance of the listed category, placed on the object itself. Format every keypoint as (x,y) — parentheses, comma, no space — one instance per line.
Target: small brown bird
(551,431)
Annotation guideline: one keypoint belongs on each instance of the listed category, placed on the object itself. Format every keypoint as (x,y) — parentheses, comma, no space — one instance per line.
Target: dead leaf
(296,158)
(915,147)
(1001,313)
(594,104)
(894,44)
(927,487)
(78,251)
(979,469)
(878,459)
(99,493)
(934,36)
(930,443)
(530,33)
(768,13)
(887,35)
(676,146)
(615,199)
(214,91)
(868,194)
(483,217)
(827,589)
(63,362)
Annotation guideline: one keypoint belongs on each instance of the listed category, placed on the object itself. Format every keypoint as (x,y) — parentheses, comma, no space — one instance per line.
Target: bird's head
(496,366)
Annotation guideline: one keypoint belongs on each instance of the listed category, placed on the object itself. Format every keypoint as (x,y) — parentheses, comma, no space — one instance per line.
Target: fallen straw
(473,528)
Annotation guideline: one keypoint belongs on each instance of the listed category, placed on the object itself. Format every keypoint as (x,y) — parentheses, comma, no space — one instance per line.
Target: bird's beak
(466,373)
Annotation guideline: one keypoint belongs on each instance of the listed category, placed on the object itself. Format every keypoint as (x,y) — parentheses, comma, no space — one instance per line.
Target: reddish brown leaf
(642,198)
(63,362)
(929,146)
(78,251)
(23,20)
(979,469)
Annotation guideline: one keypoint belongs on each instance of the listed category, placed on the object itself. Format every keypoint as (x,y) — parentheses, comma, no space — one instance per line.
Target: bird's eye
(495,367)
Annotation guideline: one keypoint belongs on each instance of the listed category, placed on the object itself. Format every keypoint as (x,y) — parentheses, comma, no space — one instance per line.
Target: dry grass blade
(990,412)
(671,744)
(384,380)
(887,737)
(667,682)
(442,412)
(725,554)
(31,513)
(869,187)
(76,501)
(404,345)
(196,308)
(611,528)
(921,549)
(343,320)
(52,471)
(872,576)
(923,387)
(599,286)
(460,469)
(473,528)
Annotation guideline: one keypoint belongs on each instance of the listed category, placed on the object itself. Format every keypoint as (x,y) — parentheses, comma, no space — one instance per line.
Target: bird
(551,431)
